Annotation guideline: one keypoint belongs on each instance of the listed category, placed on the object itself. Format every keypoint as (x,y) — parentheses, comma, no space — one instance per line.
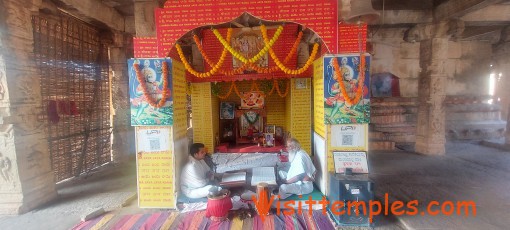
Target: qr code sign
(154,145)
(347,139)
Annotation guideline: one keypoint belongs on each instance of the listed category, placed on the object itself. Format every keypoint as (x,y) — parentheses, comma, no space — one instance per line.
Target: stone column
(501,57)
(26,179)
(145,25)
(433,38)
(507,135)
(430,132)
(123,133)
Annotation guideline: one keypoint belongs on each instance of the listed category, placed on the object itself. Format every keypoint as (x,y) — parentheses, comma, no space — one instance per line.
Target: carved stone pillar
(507,135)
(26,176)
(501,57)
(433,38)
(123,132)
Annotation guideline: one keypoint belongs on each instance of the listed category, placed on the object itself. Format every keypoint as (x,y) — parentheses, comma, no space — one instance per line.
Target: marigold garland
(255,87)
(361,82)
(278,88)
(289,56)
(238,70)
(228,94)
(255,58)
(165,94)
(253,66)
(280,64)
(214,68)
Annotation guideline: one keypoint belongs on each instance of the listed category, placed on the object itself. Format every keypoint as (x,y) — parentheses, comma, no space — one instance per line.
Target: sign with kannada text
(352,38)
(357,161)
(155,167)
(179,17)
(145,47)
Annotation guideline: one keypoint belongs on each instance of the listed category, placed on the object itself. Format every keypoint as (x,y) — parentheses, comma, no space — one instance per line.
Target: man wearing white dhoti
(299,178)
(196,176)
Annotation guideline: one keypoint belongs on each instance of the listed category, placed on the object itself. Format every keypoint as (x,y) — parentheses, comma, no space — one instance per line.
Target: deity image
(338,109)
(249,44)
(142,113)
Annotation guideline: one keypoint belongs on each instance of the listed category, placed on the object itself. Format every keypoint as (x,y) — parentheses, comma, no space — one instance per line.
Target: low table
(248,183)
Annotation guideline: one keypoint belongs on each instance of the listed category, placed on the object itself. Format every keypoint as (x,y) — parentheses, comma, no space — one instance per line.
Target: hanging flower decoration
(280,64)
(277,85)
(253,66)
(166,92)
(215,67)
(238,70)
(361,82)
(228,93)
(255,58)
(274,85)
(254,86)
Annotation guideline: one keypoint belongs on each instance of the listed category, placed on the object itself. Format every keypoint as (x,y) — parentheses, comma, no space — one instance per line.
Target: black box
(350,188)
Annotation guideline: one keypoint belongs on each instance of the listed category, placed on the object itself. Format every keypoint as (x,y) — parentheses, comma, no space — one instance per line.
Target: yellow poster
(155,165)
(318,95)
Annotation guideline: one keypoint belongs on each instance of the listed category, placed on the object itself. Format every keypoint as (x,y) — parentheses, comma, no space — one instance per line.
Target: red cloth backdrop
(145,47)
(180,16)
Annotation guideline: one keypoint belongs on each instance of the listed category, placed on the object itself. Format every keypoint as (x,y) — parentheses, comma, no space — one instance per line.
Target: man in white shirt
(299,178)
(196,176)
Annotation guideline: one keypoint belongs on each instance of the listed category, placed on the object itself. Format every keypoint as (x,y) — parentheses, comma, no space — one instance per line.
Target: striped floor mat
(197,221)
(94,224)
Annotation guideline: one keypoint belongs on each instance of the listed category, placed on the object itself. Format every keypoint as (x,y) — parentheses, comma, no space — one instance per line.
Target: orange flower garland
(253,66)
(165,94)
(229,92)
(280,65)
(361,82)
(238,70)
(255,87)
(240,57)
(214,69)
(275,84)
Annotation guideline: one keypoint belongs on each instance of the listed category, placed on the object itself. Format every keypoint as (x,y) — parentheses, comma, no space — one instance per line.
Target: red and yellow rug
(197,220)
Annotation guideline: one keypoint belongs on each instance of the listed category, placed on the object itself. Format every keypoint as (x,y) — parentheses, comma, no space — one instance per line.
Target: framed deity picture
(252,100)
(270,129)
(346,89)
(227,110)
(300,83)
(269,137)
(278,132)
(155,77)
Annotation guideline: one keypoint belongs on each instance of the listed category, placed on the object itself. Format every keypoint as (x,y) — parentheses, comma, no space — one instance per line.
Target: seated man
(196,176)
(299,179)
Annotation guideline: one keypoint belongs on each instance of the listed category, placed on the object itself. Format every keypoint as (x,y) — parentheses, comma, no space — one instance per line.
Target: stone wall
(467,67)
(26,175)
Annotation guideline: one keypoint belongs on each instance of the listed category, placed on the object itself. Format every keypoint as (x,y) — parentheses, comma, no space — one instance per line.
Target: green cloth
(316,195)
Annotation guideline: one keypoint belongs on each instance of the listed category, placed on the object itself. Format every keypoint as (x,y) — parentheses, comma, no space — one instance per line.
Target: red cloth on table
(255,149)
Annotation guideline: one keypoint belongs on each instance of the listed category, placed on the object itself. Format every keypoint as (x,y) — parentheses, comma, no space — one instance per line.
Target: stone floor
(467,172)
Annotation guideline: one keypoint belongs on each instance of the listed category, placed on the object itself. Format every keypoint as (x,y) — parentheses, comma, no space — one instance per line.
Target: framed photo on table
(278,132)
(270,129)
(269,139)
